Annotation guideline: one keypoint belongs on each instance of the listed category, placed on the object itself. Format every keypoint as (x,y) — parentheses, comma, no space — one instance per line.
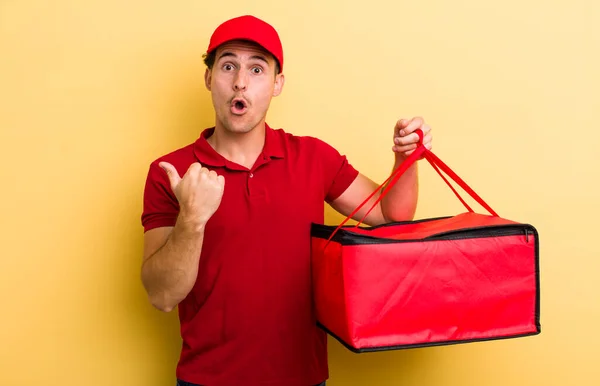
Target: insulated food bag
(436,281)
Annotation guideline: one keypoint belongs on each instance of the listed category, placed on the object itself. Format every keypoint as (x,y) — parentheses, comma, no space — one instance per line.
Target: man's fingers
(404,149)
(415,124)
(409,139)
(427,141)
(410,126)
(195,167)
(172,173)
(401,124)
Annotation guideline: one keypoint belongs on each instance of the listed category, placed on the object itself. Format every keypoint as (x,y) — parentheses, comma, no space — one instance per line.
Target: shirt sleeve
(338,173)
(160,206)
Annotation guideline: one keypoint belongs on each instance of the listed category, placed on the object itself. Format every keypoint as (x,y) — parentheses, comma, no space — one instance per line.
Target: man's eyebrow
(227,53)
(260,57)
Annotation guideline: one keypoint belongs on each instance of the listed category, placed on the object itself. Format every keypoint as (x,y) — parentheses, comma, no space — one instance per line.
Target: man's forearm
(400,203)
(170,273)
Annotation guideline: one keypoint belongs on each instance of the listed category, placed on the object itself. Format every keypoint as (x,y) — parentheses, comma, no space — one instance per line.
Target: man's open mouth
(238,106)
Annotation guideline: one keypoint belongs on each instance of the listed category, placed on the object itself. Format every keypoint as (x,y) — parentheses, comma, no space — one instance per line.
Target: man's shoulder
(299,140)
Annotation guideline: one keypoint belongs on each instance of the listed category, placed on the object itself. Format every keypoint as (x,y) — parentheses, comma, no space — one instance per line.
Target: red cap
(248,28)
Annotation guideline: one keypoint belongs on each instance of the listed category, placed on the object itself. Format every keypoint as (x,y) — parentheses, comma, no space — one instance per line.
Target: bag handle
(436,163)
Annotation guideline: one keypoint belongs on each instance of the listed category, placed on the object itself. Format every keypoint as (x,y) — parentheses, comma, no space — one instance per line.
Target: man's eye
(228,67)
(256,70)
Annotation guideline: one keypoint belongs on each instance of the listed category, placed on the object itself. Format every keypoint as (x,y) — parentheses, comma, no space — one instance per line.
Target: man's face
(242,83)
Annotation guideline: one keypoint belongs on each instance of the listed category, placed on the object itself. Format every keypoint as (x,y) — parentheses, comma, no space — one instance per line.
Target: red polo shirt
(249,319)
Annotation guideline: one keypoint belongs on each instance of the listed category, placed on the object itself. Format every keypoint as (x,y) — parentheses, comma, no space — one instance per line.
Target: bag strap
(449,185)
(436,163)
(433,159)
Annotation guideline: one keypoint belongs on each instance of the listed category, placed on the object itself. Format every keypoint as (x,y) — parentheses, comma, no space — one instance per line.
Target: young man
(227,223)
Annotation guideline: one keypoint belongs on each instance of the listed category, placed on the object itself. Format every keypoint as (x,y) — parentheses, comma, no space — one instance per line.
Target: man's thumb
(172,173)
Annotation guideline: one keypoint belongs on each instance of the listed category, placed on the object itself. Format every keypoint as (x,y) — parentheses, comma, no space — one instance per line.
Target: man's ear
(207,78)
(279,82)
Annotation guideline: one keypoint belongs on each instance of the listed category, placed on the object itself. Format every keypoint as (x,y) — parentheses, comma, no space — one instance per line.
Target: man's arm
(172,254)
(170,265)
(400,203)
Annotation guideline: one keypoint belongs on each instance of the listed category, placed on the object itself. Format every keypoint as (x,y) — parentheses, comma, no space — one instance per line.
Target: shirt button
(251,175)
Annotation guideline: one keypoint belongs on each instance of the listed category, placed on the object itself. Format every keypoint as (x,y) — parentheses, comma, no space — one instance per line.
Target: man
(227,223)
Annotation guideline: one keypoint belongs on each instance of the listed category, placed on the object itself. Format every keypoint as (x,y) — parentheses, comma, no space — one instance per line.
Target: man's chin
(238,125)
(239,128)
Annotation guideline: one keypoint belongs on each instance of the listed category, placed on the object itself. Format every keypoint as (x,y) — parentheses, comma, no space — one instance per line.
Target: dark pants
(183,383)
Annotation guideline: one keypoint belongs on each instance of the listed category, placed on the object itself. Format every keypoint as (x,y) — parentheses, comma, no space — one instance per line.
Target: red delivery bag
(436,281)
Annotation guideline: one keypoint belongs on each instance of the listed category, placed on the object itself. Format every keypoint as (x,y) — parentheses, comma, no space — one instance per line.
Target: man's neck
(243,149)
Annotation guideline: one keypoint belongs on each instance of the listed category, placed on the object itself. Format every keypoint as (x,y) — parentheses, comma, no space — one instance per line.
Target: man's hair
(209,60)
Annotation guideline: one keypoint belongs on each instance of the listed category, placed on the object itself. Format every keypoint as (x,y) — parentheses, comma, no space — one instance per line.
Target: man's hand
(405,138)
(199,192)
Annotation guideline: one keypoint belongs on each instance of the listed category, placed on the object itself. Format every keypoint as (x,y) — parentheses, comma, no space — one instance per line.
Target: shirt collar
(206,155)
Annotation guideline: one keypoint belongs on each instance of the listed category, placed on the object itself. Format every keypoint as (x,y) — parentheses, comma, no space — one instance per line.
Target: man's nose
(241,81)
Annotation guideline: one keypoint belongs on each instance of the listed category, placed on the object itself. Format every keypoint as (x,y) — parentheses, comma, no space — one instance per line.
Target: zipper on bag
(490,231)
(349,238)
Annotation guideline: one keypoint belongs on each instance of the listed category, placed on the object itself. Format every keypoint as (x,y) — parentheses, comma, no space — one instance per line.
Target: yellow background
(92,91)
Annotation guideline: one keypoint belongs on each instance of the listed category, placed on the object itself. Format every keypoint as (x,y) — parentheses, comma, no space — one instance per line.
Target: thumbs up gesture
(199,191)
